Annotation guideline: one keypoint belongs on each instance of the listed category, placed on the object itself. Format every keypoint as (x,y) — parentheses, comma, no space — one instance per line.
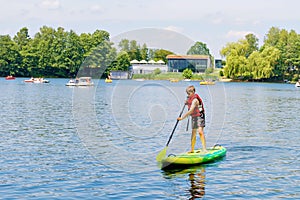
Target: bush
(187,73)
(221,73)
(209,70)
(157,71)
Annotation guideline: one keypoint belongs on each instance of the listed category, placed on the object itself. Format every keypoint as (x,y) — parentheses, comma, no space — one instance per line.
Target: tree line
(277,59)
(59,53)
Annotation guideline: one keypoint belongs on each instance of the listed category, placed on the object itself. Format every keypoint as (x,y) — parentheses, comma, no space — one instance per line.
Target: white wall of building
(148,68)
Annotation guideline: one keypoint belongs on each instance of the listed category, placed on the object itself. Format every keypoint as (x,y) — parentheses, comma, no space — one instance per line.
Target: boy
(196,110)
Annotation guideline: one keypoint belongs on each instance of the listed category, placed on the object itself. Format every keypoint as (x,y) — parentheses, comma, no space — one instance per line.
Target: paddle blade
(161,155)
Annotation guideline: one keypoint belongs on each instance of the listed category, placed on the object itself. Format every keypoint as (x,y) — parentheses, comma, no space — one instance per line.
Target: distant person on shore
(196,110)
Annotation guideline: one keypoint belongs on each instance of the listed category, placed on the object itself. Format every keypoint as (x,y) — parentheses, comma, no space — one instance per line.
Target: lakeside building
(144,67)
(197,63)
(118,74)
(218,63)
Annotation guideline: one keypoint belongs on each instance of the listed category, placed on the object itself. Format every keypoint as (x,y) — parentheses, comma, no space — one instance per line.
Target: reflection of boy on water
(197,181)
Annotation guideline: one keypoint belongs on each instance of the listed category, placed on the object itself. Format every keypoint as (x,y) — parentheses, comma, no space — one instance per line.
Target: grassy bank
(177,76)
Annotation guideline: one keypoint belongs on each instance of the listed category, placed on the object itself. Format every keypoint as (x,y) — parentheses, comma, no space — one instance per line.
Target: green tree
(10,58)
(44,41)
(254,65)
(122,62)
(288,45)
(269,58)
(100,58)
(144,52)
(161,54)
(187,73)
(22,38)
(235,65)
(252,41)
(73,56)
(124,45)
(272,37)
(23,41)
(198,48)
(134,50)
(86,42)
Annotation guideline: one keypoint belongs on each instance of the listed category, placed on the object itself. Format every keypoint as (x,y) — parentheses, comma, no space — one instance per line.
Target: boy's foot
(191,152)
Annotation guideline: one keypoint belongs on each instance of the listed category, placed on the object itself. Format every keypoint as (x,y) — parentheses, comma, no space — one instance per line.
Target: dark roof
(185,57)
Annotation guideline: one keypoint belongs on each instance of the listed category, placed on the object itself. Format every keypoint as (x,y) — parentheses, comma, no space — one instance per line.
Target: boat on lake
(71,82)
(36,80)
(108,80)
(207,82)
(139,79)
(82,81)
(297,84)
(10,77)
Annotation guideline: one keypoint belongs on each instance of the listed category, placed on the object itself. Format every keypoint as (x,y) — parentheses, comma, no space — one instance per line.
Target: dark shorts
(198,122)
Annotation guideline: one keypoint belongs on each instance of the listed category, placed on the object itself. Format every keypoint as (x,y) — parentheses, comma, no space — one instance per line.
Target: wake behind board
(196,158)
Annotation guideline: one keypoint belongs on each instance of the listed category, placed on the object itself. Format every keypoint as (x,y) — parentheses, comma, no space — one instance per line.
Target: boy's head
(190,90)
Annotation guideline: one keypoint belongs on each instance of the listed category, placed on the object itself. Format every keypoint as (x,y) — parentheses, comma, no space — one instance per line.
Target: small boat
(10,77)
(139,79)
(82,81)
(40,80)
(36,80)
(207,83)
(71,83)
(196,158)
(29,80)
(297,84)
(107,80)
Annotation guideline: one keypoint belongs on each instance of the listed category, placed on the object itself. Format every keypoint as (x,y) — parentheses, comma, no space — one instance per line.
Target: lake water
(101,142)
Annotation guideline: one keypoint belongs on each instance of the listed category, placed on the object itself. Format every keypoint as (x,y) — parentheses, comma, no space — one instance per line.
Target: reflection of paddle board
(196,158)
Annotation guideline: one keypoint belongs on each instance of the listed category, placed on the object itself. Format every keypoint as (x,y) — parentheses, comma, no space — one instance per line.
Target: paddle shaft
(175,126)
(187,125)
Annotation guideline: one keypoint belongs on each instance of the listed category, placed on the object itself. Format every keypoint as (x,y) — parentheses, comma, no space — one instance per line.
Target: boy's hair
(191,88)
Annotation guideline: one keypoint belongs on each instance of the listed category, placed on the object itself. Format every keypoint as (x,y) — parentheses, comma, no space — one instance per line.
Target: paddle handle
(175,126)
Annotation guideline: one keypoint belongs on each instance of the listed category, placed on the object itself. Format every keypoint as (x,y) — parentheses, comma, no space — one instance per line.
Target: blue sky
(214,22)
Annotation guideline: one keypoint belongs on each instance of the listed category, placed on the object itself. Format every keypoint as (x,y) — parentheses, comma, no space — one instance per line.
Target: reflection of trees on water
(197,181)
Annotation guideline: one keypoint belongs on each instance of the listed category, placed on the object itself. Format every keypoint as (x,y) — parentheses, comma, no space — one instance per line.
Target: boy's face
(189,92)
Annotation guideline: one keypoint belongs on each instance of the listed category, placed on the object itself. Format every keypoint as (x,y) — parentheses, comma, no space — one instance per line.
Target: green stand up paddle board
(195,158)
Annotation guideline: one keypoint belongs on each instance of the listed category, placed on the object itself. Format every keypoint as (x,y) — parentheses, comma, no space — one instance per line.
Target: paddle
(187,125)
(163,152)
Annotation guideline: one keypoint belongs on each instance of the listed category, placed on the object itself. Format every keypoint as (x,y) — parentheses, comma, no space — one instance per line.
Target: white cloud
(50,4)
